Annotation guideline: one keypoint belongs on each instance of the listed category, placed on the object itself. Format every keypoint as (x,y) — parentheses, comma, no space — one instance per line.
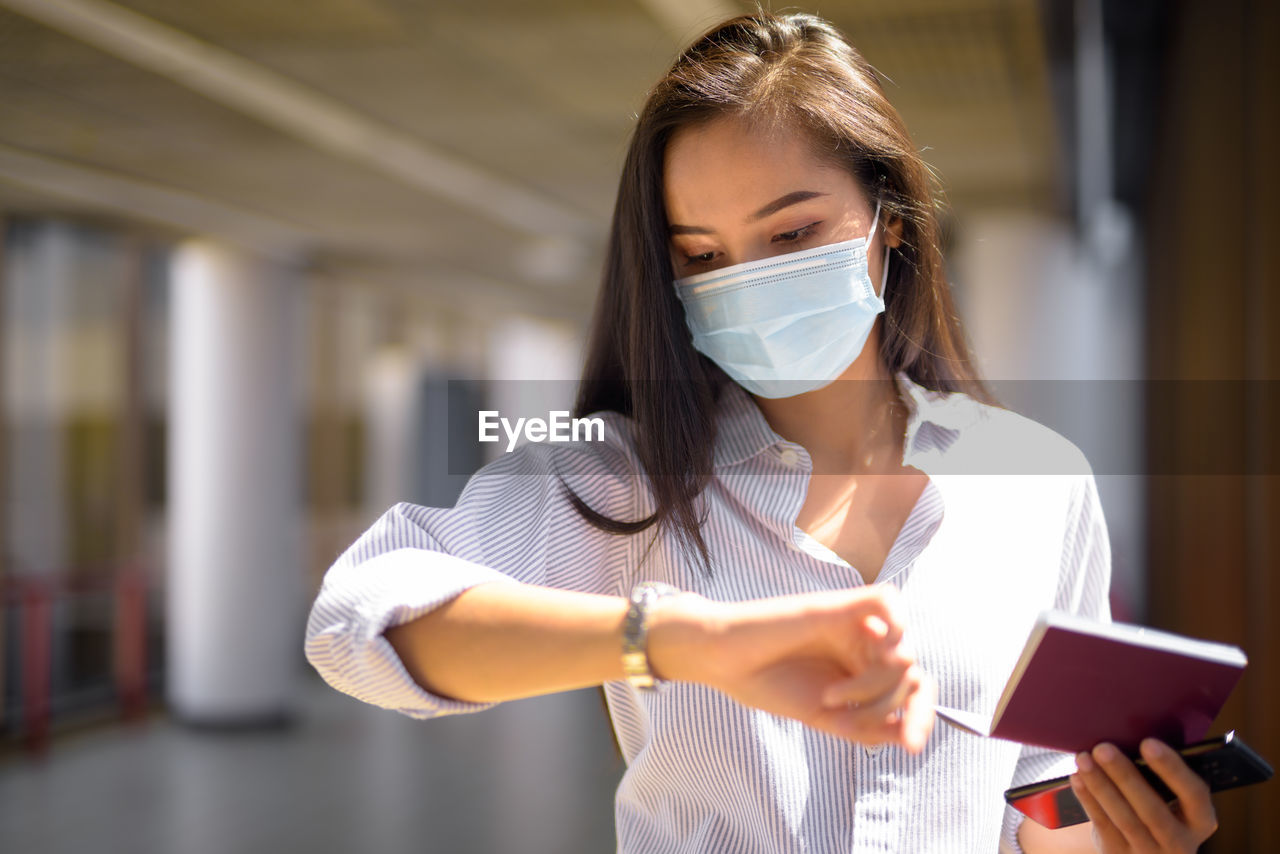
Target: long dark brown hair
(762,69)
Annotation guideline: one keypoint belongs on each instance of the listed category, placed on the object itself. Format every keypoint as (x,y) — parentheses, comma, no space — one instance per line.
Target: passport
(1079,682)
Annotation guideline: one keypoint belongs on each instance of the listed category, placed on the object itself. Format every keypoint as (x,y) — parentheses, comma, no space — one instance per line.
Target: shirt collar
(743,432)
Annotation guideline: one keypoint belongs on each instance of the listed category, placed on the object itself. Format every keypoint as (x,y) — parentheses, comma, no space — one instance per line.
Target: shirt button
(789,457)
(873,750)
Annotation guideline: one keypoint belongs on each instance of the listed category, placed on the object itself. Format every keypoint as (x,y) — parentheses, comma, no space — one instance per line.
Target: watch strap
(635,632)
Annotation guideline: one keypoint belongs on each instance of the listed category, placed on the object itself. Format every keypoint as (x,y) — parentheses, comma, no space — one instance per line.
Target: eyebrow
(793,198)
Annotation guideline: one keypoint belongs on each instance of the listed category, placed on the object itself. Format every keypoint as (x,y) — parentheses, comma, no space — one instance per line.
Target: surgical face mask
(788,324)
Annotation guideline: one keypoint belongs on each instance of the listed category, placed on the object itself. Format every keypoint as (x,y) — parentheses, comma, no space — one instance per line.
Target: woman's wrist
(682,631)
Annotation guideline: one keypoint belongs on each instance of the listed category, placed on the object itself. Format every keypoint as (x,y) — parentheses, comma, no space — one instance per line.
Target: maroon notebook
(1081,682)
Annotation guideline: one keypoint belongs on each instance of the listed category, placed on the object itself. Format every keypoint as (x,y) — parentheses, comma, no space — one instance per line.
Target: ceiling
(469,147)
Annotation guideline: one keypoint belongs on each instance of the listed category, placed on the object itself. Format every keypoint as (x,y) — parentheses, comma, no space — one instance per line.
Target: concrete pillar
(535,365)
(39,275)
(392,428)
(235,590)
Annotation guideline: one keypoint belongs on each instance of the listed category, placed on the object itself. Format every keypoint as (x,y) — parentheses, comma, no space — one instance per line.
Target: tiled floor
(533,776)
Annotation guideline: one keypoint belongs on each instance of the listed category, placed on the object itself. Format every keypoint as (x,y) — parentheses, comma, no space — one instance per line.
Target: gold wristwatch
(635,632)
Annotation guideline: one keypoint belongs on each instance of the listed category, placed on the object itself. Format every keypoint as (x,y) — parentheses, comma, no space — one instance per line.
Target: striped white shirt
(1008,525)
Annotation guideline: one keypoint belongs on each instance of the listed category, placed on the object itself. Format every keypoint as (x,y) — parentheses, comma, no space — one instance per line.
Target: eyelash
(794,236)
(797,235)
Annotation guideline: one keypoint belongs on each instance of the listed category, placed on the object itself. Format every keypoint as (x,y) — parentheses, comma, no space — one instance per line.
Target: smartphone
(1224,762)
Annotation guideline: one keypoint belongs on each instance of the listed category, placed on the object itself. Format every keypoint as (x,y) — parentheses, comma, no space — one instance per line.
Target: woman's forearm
(832,660)
(498,642)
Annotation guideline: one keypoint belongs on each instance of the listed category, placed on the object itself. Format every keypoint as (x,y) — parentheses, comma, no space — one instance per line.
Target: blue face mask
(788,324)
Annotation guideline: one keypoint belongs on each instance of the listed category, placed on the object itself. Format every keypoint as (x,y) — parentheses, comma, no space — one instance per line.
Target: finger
(907,720)
(855,724)
(879,629)
(891,601)
(1198,814)
(886,708)
(1147,804)
(1110,798)
(918,715)
(867,650)
(878,719)
(1108,834)
(869,686)
(865,628)
(862,725)
(882,602)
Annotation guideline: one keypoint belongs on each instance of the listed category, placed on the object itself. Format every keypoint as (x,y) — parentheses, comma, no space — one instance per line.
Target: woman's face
(734,195)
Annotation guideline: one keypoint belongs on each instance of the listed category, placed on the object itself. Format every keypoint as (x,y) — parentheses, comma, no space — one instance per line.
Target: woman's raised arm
(834,661)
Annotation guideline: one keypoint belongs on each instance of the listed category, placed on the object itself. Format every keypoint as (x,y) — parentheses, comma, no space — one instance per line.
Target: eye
(699,260)
(797,235)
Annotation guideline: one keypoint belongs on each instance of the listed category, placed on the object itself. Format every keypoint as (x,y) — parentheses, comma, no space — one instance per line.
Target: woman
(789,453)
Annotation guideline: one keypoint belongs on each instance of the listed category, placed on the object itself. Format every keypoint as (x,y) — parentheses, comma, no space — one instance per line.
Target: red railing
(34,598)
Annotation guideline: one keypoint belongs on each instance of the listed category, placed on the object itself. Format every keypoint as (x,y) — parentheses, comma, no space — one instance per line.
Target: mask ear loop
(875,221)
(884,271)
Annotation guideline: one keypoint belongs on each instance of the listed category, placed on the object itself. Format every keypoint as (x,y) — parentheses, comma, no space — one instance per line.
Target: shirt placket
(877,807)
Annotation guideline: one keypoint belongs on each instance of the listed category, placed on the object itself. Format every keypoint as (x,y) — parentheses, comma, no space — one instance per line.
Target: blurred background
(248,249)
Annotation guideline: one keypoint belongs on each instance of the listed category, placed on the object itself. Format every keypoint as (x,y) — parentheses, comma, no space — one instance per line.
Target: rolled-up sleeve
(513,523)
(1084,588)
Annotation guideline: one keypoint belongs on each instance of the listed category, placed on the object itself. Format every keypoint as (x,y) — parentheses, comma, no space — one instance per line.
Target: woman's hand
(835,661)
(1127,813)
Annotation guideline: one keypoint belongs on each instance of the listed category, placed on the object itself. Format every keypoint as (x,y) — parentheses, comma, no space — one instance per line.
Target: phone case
(1224,763)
